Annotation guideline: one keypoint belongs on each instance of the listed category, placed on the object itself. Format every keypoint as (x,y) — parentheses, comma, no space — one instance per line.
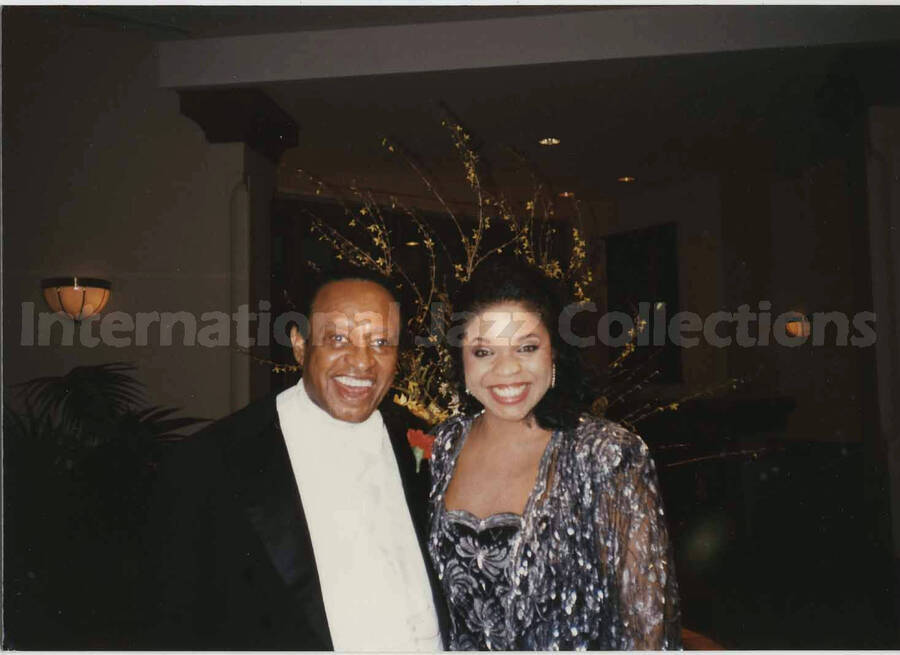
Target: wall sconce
(76,297)
(797,326)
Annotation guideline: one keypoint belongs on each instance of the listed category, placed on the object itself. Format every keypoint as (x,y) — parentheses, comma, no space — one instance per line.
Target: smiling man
(350,355)
(298,522)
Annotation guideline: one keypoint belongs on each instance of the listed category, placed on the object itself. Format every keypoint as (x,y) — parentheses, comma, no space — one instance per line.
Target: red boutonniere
(421,445)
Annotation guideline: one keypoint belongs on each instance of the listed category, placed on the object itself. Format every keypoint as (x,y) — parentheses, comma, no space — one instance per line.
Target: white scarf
(373,579)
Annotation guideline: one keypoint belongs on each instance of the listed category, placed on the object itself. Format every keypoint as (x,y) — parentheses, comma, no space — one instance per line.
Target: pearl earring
(553,377)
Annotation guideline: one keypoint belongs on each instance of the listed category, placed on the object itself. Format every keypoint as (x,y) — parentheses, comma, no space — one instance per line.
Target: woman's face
(507,359)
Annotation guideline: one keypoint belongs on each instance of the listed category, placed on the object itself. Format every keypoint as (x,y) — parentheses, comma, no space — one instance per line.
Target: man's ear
(298,345)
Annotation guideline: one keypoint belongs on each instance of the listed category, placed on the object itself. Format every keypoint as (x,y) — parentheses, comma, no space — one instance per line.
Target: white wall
(694,206)
(755,236)
(812,271)
(883,187)
(104,177)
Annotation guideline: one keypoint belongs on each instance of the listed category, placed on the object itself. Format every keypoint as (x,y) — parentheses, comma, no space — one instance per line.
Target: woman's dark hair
(505,279)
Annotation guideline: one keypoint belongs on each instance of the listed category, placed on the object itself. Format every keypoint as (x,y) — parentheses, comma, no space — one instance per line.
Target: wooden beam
(619,33)
(246,114)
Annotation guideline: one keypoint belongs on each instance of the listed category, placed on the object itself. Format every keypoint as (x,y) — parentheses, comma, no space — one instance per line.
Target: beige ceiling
(659,119)
(173,22)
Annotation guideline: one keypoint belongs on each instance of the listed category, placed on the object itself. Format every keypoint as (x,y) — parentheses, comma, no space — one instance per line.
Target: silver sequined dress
(587,566)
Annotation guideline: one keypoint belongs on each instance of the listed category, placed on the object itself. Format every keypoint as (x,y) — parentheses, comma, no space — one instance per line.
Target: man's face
(350,357)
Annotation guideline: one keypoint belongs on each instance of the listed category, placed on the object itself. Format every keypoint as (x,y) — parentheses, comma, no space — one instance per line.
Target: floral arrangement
(495,225)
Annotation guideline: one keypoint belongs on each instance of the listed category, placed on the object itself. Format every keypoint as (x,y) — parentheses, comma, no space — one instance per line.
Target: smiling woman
(514,307)
(508,360)
(547,527)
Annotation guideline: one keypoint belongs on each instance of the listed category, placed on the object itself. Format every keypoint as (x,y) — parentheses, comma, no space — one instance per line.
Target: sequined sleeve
(637,547)
(446,435)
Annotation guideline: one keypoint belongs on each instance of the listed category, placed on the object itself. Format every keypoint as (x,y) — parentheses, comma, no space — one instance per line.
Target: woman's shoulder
(607,445)
(447,436)
(447,433)
(454,426)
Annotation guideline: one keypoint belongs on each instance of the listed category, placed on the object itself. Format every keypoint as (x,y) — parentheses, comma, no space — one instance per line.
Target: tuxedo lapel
(406,464)
(259,464)
(415,489)
(267,490)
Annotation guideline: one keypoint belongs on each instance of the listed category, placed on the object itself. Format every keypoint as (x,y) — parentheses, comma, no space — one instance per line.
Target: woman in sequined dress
(547,528)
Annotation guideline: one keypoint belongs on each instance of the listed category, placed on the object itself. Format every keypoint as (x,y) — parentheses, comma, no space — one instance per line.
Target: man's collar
(366,436)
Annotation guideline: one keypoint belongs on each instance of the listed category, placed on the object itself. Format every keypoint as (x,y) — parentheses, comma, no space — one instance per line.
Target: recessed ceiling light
(411,244)
(549,141)
(567,194)
(626,179)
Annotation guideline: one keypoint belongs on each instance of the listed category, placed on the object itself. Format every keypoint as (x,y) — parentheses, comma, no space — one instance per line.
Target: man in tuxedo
(298,523)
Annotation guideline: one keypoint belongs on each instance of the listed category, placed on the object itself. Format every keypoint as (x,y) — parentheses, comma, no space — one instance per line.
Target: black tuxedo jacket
(235,565)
